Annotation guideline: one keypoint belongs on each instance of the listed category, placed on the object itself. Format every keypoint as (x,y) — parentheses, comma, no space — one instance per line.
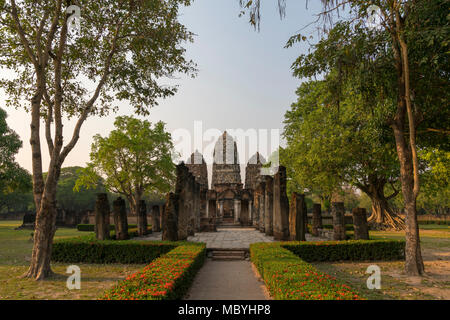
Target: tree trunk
(407,153)
(413,256)
(43,239)
(382,217)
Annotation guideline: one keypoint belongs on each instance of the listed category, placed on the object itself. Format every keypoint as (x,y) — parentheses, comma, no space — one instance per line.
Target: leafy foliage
(134,159)
(15,182)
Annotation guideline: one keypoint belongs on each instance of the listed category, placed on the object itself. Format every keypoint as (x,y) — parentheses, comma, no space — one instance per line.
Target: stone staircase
(228,223)
(228,254)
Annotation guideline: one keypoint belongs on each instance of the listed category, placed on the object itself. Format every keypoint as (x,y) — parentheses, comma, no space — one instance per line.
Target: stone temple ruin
(261,203)
(194,207)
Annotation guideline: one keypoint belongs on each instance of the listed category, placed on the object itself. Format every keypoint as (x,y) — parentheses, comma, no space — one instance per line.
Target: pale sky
(244,79)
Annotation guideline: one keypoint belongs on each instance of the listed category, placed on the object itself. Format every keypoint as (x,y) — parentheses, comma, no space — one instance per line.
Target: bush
(132,232)
(91,227)
(287,277)
(347,250)
(439,222)
(166,278)
(87,249)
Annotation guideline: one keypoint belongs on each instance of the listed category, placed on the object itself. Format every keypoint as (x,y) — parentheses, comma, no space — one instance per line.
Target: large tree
(135,159)
(120,52)
(416,77)
(330,144)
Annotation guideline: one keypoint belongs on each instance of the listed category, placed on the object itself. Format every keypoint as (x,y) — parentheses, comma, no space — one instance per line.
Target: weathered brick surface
(280,206)
(317,219)
(361,230)
(338,213)
(268,217)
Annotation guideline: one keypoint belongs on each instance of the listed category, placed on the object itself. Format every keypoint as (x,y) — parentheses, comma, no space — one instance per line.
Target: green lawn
(15,253)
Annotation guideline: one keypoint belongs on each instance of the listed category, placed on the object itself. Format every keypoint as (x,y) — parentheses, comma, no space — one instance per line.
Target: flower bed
(287,277)
(166,278)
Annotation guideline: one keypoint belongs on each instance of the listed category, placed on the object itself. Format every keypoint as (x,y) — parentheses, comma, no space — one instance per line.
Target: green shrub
(348,227)
(355,250)
(166,278)
(439,222)
(132,232)
(91,227)
(87,249)
(287,277)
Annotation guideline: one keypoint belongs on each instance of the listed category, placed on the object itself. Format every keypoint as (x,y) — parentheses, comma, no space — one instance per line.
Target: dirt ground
(395,284)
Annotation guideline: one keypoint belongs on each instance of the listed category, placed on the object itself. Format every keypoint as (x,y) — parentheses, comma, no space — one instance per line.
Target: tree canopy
(135,159)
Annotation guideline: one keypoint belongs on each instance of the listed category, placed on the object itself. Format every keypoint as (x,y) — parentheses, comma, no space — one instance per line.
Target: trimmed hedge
(87,249)
(287,277)
(355,250)
(348,227)
(132,232)
(91,227)
(166,278)
(439,222)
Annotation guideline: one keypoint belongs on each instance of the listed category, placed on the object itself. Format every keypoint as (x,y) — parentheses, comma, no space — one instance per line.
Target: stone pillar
(155,218)
(120,219)
(250,212)
(256,205)
(212,208)
(102,217)
(142,218)
(237,210)
(244,217)
(170,218)
(183,192)
(316,219)
(338,212)
(220,210)
(262,204)
(297,217)
(196,211)
(192,203)
(162,209)
(360,224)
(203,203)
(280,206)
(268,205)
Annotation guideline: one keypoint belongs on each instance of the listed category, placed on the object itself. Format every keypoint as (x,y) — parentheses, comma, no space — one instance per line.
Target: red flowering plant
(288,277)
(167,277)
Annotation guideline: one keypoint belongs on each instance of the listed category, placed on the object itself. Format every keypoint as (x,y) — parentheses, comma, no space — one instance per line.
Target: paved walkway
(233,238)
(226,280)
